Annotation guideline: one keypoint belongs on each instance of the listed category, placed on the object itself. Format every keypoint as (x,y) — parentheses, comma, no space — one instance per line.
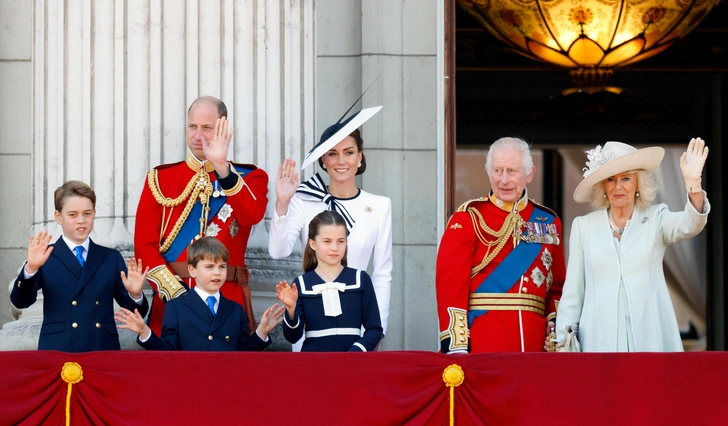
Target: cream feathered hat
(614,158)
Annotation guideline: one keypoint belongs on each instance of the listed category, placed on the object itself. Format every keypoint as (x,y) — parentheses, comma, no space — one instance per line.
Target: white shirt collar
(204,295)
(73,245)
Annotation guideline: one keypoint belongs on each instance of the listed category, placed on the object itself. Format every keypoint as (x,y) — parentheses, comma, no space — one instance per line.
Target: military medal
(225,212)
(233,228)
(212,230)
(217,190)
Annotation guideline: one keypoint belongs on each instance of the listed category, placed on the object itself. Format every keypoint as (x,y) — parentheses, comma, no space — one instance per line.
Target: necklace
(615,229)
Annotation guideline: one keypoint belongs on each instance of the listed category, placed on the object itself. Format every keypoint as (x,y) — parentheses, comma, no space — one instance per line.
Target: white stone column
(112,81)
(111,84)
(395,43)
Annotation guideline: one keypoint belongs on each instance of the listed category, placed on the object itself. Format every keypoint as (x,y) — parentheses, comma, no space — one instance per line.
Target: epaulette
(166,166)
(244,168)
(464,206)
(543,207)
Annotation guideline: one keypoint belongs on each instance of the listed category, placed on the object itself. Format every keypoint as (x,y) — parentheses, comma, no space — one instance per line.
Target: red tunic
(247,201)
(513,322)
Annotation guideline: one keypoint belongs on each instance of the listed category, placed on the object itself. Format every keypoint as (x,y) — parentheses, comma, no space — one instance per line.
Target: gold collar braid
(196,164)
(508,205)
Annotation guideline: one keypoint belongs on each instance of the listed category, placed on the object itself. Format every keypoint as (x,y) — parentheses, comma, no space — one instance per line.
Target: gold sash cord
(507,302)
(71,373)
(453,376)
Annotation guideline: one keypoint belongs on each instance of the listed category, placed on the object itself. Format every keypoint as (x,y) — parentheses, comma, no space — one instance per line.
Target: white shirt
(73,246)
(205,295)
(370,237)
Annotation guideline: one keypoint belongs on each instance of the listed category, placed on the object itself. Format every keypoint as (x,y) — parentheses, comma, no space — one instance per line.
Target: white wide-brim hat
(615,158)
(337,133)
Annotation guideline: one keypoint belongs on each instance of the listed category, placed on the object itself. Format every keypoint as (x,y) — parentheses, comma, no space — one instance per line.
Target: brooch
(456,226)
(368,209)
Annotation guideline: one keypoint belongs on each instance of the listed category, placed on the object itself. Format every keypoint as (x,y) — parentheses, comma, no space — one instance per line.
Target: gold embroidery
(168,285)
(458,330)
(456,226)
(199,186)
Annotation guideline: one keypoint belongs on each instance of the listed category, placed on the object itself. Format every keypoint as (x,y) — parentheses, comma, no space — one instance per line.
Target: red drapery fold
(382,388)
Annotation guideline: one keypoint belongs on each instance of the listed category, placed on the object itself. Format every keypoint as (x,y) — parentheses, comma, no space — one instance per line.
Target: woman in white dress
(615,294)
(368,216)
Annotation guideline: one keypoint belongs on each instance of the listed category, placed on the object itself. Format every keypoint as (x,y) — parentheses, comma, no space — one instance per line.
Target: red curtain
(382,388)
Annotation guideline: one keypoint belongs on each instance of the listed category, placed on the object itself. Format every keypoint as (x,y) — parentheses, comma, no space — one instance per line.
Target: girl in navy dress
(330,303)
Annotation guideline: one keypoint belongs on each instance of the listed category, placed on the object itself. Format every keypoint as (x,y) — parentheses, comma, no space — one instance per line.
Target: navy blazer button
(98,325)
(74,303)
(74,325)
(209,337)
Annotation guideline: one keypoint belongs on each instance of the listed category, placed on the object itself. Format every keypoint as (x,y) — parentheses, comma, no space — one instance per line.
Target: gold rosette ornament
(71,373)
(453,376)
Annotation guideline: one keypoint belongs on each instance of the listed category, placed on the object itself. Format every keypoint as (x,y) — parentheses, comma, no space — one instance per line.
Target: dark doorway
(493,92)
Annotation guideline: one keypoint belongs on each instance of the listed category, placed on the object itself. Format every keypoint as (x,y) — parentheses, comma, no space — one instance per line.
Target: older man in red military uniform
(206,195)
(500,266)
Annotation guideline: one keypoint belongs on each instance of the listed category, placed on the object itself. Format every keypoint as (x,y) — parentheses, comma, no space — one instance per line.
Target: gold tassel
(453,376)
(71,373)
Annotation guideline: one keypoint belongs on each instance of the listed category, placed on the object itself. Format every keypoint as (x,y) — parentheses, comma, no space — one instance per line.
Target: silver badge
(225,212)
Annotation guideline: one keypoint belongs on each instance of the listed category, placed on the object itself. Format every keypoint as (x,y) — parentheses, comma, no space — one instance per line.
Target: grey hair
(647,185)
(510,143)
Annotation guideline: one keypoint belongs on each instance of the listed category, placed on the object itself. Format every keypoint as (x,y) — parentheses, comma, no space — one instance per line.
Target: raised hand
(286,185)
(132,321)
(38,251)
(135,281)
(216,149)
(691,164)
(288,295)
(270,319)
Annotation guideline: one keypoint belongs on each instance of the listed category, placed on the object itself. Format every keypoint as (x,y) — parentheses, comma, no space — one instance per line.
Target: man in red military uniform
(206,195)
(500,266)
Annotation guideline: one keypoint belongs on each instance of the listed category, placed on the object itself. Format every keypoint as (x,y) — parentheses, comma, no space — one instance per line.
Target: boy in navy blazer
(79,278)
(202,319)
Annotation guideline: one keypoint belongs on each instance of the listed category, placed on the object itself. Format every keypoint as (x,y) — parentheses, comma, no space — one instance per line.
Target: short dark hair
(72,188)
(326,217)
(209,248)
(356,134)
(221,108)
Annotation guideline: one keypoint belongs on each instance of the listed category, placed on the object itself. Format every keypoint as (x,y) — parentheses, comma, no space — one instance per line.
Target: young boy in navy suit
(202,319)
(79,278)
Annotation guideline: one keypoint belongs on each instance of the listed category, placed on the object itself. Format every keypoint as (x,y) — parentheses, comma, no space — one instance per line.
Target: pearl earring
(323,166)
(605,195)
(358,165)
(637,194)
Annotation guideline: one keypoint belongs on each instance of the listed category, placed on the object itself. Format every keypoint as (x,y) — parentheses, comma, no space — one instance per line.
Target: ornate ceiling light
(592,37)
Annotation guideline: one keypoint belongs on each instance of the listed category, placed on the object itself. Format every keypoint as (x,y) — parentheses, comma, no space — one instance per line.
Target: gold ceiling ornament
(592,37)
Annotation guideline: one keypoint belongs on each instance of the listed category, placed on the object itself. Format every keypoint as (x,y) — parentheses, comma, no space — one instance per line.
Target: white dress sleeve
(286,230)
(678,226)
(382,262)
(572,296)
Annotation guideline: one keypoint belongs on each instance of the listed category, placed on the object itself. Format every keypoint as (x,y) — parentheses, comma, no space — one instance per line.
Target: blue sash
(191,227)
(512,267)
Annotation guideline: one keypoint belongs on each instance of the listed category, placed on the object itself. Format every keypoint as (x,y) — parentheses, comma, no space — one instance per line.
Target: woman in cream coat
(615,292)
